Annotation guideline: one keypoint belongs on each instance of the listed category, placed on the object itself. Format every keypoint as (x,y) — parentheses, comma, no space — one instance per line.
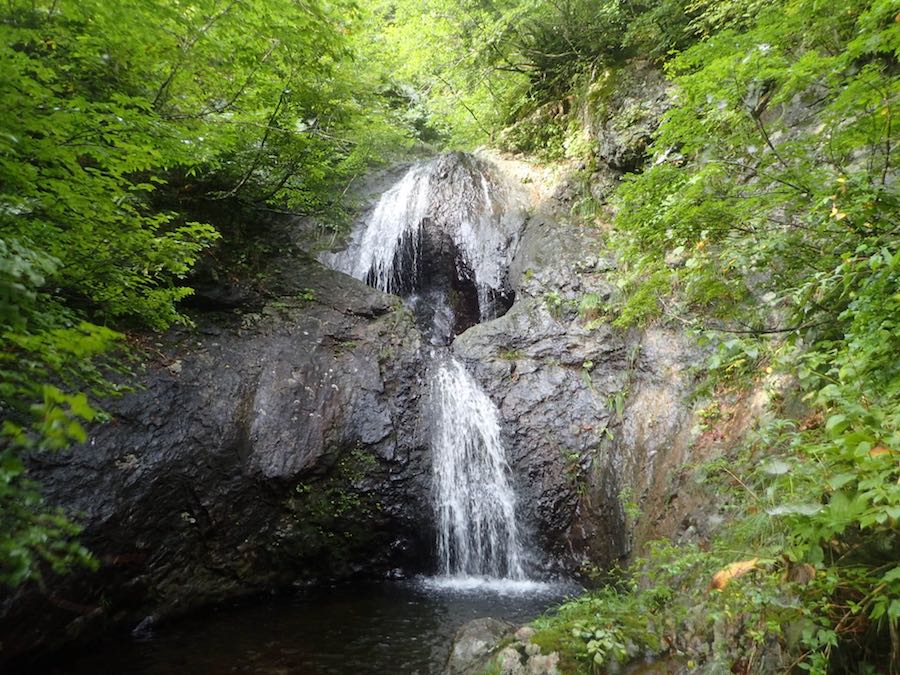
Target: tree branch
(218,110)
(262,145)
(164,87)
(767,331)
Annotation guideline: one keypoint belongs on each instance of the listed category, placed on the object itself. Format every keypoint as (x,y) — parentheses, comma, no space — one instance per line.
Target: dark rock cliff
(591,414)
(275,444)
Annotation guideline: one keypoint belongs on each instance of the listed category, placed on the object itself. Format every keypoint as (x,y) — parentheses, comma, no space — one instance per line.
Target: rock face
(591,413)
(262,449)
(624,108)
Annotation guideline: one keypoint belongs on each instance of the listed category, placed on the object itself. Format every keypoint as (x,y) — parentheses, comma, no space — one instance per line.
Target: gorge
(495,337)
(367,406)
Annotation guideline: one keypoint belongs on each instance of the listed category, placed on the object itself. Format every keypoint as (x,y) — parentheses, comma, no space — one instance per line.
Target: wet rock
(144,630)
(532,649)
(525,633)
(589,412)
(474,643)
(539,664)
(218,294)
(554,410)
(509,662)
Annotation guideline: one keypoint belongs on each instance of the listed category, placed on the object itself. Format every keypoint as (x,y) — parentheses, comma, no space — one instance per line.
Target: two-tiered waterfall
(435,239)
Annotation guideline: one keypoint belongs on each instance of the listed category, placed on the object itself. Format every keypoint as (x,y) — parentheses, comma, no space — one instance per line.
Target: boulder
(474,644)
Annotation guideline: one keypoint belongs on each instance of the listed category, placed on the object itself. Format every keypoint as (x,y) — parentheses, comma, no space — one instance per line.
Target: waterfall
(445,208)
(453,195)
(388,253)
(481,244)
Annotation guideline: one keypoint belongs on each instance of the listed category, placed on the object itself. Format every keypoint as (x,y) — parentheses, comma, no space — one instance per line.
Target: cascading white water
(385,252)
(395,224)
(474,502)
(483,247)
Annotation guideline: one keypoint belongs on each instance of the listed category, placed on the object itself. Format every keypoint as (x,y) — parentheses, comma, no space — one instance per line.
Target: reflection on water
(395,628)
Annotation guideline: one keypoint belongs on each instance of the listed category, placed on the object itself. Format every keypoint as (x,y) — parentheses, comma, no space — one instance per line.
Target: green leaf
(836,424)
(840,480)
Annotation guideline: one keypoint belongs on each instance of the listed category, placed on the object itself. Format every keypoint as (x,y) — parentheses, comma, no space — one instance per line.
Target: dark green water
(391,628)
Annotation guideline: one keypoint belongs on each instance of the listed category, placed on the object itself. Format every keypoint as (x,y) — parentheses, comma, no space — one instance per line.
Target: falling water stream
(475,507)
(474,503)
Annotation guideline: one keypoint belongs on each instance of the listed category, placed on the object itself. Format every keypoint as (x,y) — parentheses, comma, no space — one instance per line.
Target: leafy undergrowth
(803,575)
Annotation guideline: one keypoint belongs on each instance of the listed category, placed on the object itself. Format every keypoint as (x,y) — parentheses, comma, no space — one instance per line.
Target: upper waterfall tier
(441,226)
(387,256)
